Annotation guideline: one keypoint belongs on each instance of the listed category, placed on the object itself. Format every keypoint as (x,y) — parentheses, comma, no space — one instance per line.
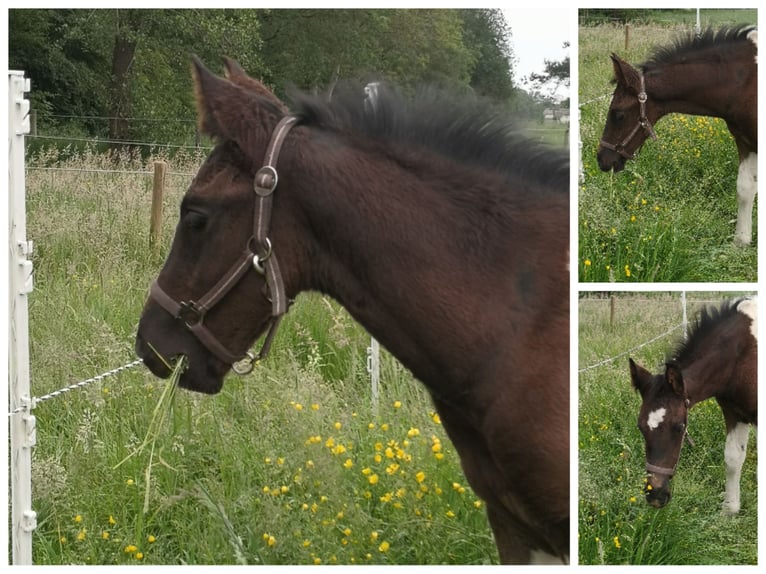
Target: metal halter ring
(245,365)
(258,261)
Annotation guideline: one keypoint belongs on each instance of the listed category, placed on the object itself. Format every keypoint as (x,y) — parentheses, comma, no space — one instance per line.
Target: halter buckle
(189,313)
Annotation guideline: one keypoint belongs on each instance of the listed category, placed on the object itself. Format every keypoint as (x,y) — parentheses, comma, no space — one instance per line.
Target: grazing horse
(718,359)
(712,74)
(438,227)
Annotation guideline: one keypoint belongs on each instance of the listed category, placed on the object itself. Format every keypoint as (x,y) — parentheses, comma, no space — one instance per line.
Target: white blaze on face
(655,418)
(749,307)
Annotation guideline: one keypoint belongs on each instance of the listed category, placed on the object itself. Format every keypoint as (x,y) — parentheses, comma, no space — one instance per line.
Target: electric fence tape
(74,386)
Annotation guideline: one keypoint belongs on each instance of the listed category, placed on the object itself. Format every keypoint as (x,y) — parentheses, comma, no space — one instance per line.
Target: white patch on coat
(749,307)
(655,418)
(753,37)
(747,185)
(540,558)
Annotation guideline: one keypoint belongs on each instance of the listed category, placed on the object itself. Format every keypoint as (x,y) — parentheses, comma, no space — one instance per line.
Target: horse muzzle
(657,489)
(160,341)
(657,497)
(610,160)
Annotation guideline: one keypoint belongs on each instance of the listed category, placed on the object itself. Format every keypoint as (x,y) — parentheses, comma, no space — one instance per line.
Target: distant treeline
(124,74)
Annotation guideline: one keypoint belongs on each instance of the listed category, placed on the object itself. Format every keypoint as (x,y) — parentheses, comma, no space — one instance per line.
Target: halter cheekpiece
(257,255)
(643,124)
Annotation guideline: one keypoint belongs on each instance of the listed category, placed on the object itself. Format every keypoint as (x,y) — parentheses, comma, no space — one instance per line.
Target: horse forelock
(687,45)
(464,129)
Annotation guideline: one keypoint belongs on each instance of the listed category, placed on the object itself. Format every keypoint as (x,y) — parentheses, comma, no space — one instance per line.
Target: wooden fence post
(158,191)
(612,302)
(627,36)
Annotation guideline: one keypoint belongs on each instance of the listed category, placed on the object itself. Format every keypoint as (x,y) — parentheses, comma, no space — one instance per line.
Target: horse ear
(639,376)
(624,73)
(236,74)
(232,69)
(675,379)
(230,111)
(214,96)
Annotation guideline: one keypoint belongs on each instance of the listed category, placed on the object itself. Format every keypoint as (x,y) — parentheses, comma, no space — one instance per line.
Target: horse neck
(393,251)
(700,88)
(706,376)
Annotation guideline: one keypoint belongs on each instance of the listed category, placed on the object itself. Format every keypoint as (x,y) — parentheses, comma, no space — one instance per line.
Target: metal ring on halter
(258,261)
(245,365)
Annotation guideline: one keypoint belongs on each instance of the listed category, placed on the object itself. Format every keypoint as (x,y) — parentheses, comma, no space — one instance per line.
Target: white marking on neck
(655,418)
(749,307)
(753,37)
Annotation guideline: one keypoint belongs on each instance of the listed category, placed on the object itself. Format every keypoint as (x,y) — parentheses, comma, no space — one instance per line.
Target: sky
(537,34)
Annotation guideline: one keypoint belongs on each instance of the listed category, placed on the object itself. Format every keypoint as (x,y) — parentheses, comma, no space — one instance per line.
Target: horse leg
(510,546)
(747,183)
(737,435)
(519,537)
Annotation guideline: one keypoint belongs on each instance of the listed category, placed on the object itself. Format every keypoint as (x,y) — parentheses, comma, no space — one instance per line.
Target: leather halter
(643,124)
(669,472)
(258,255)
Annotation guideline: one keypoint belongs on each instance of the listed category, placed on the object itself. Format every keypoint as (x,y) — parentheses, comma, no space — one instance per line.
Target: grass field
(616,526)
(292,464)
(669,216)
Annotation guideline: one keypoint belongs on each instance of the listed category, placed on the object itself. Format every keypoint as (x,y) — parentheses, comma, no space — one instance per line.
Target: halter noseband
(643,124)
(669,472)
(258,254)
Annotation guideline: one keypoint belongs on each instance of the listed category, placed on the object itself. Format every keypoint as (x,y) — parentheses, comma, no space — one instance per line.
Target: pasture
(616,526)
(669,216)
(292,464)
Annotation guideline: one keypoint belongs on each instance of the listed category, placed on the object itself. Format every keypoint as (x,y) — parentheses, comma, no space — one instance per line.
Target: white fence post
(22,424)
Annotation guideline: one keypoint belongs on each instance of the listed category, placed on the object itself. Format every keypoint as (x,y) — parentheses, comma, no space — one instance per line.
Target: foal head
(662,420)
(214,297)
(629,120)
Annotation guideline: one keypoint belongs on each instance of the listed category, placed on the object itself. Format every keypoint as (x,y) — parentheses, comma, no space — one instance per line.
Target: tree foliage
(555,74)
(124,73)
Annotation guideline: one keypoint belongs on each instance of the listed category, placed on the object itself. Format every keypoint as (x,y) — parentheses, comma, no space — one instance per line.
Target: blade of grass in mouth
(159,415)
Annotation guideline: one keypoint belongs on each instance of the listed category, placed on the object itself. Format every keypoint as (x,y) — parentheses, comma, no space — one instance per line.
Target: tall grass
(616,526)
(669,216)
(292,464)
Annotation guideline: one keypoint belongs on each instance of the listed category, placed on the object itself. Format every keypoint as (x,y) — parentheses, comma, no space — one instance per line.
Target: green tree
(487,35)
(555,74)
(64,52)
(124,73)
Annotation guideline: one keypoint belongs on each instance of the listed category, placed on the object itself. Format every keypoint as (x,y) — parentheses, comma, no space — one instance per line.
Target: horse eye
(194,220)
(679,427)
(618,116)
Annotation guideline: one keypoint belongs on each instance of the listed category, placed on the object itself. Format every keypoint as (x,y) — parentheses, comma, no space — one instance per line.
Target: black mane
(707,321)
(467,130)
(689,44)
